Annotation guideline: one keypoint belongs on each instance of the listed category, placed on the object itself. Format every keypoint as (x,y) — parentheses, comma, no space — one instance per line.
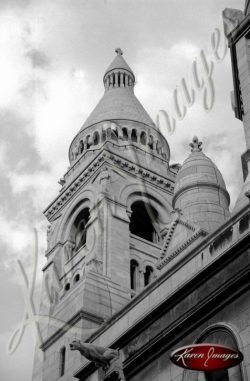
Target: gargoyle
(100,355)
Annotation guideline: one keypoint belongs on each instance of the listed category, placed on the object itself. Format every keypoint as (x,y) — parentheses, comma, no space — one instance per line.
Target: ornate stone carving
(122,163)
(195,145)
(101,356)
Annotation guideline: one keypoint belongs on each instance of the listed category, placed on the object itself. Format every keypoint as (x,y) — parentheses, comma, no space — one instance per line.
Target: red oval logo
(206,357)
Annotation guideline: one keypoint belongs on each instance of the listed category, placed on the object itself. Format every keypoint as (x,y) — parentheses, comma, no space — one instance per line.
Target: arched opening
(79,230)
(148,274)
(142,219)
(134,136)
(62,361)
(134,273)
(119,80)
(96,138)
(77,278)
(223,336)
(143,138)
(67,287)
(125,134)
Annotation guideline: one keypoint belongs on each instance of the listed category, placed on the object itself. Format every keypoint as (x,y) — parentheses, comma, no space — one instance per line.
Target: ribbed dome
(200,190)
(198,169)
(118,101)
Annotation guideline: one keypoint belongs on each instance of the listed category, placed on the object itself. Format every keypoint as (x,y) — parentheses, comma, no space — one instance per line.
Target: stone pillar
(121,78)
(126,80)
(116,79)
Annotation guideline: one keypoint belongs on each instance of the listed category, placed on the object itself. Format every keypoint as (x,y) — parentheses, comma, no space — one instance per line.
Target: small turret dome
(200,191)
(119,101)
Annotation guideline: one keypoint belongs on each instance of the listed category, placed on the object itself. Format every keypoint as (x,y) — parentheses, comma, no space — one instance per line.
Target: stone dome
(200,191)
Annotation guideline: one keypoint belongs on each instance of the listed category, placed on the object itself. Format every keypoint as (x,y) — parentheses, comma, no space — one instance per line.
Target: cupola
(200,191)
(119,101)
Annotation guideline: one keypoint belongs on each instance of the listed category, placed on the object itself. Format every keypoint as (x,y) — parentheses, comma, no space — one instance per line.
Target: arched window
(79,229)
(217,335)
(124,134)
(134,136)
(141,223)
(96,138)
(77,278)
(134,273)
(67,287)
(62,361)
(143,138)
(148,275)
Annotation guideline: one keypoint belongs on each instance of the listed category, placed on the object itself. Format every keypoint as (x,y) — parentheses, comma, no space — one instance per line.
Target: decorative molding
(124,164)
(182,247)
(177,219)
(71,322)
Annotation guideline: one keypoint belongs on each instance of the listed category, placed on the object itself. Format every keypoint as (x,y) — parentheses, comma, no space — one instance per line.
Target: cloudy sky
(53,56)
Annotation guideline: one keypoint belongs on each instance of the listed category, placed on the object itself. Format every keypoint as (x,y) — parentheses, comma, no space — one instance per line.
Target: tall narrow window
(62,361)
(134,272)
(96,138)
(80,229)
(148,275)
(124,134)
(134,136)
(142,219)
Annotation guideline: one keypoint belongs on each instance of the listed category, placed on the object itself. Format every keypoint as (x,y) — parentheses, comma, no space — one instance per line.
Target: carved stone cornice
(124,164)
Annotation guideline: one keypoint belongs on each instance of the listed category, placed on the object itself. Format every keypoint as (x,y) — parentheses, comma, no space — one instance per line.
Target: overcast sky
(53,57)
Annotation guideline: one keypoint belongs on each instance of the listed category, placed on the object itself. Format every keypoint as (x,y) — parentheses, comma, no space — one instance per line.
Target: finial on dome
(119,51)
(195,145)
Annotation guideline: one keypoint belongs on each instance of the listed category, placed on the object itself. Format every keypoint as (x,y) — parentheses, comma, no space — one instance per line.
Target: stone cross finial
(119,51)
(195,145)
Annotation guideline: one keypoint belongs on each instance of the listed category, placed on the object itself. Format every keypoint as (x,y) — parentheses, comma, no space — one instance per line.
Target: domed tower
(200,191)
(106,224)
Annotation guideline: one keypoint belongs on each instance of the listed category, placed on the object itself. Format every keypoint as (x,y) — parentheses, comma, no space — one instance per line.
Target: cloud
(38,58)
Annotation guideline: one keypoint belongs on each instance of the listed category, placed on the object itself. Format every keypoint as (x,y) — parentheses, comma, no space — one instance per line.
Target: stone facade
(142,257)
